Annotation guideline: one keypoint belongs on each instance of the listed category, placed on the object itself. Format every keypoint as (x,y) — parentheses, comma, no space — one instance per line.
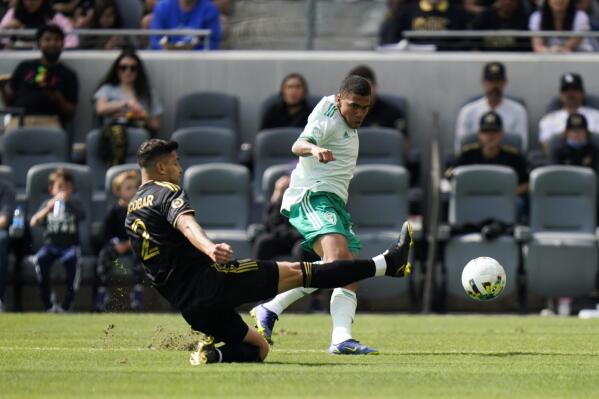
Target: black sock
(241,352)
(336,274)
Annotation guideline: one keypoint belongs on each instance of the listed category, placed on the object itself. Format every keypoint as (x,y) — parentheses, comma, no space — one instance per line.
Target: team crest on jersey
(330,217)
(316,132)
(177,203)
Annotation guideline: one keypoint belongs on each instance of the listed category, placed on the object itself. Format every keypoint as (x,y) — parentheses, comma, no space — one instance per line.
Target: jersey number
(146,251)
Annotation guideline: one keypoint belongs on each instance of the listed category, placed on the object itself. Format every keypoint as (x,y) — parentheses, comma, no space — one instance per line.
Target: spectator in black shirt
(292,109)
(45,88)
(504,15)
(7,206)
(576,147)
(117,243)
(60,216)
(489,151)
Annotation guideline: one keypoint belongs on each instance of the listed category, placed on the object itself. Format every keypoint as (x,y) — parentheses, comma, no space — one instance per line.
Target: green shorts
(321,213)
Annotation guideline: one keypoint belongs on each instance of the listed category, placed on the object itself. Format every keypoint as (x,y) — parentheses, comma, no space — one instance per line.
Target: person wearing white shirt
(571,96)
(513,114)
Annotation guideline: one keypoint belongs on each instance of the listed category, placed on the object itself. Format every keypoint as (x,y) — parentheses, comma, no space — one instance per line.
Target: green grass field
(127,356)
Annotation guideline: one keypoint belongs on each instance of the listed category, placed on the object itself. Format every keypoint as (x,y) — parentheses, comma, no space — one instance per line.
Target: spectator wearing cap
(577,147)
(513,114)
(571,96)
(490,151)
(560,15)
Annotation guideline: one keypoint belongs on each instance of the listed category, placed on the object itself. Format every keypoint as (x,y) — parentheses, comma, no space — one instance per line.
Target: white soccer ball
(483,278)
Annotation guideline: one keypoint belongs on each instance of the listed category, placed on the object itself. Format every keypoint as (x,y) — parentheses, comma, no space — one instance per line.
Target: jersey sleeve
(174,205)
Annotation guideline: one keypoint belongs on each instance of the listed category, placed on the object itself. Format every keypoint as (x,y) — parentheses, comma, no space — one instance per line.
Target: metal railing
(461,34)
(201,33)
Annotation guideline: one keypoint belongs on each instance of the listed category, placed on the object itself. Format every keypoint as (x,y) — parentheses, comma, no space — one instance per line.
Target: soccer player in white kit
(315,204)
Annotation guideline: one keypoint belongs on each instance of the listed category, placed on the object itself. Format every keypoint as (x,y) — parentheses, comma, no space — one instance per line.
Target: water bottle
(58,210)
(17,228)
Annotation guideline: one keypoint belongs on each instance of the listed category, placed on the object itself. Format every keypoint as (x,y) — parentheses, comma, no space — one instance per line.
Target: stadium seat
(29,146)
(378,204)
(272,147)
(208,109)
(478,193)
(7,174)
(204,144)
(220,195)
(400,102)
(510,139)
(561,257)
(380,145)
(37,193)
(97,164)
(589,100)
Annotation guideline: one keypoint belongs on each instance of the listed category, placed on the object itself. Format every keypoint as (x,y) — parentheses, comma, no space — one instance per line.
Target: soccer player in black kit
(203,281)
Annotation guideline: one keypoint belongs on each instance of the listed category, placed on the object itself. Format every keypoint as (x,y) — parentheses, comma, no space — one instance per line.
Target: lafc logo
(177,203)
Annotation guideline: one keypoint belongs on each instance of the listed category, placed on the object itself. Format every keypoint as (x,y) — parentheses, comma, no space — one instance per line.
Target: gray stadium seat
(97,164)
(398,101)
(590,100)
(204,144)
(380,145)
(272,147)
(480,192)
(111,173)
(510,139)
(7,174)
(37,193)
(378,204)
(220,195)
(208,109)
(28,146)
(561,258)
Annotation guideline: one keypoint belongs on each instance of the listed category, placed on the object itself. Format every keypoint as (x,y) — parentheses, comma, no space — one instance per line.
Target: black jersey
(151,219)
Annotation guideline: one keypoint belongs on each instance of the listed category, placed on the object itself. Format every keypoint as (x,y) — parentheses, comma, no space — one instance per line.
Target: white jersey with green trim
(326,128)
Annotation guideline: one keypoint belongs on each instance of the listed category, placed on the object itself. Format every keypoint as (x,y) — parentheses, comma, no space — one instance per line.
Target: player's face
(353,108)
(293,91)
(127,190)
(172,169)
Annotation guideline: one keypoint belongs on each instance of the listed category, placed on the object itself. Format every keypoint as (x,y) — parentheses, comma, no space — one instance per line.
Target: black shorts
(238,282)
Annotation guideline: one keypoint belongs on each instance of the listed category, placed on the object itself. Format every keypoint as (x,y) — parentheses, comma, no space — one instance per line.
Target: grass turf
(127,356)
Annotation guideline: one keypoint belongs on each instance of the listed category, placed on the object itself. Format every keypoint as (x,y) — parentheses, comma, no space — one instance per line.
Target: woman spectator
(105,16)
(125,95)
(577,147)
(31,14)
(291,109)
(559,15)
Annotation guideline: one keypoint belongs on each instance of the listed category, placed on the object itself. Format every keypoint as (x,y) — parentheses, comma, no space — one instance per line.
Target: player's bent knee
(290,275)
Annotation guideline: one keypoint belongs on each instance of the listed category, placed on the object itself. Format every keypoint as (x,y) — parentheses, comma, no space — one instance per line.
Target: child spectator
(60,216)
(117,244)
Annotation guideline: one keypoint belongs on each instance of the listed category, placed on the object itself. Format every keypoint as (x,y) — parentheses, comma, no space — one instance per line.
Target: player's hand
(221,253)
(323,155)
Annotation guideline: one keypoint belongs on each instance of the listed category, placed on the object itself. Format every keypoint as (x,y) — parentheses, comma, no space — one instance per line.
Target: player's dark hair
(355,85)
(364,71)
(152,149)
(49,28)
(61,174)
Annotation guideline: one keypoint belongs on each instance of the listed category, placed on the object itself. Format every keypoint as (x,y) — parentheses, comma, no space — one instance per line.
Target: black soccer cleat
(398,256)
(205,353)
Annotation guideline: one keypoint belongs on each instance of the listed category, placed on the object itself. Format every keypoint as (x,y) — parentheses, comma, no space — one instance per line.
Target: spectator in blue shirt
(185,14)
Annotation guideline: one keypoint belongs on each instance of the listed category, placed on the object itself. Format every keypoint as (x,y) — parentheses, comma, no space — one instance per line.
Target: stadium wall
(430,81)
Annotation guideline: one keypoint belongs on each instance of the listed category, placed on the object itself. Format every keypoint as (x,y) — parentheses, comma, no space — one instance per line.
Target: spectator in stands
(33,14)
(47,89)
(84,13)
(65,7)
(60,216)
(577,147)
(424,15)
(117,243)
(186,14)
(105,16)
(503,15)
(7,207)
(149,6)
(126,96)
(489,150)
(571,96)
(278,237)
(513,114)
(382,113)
(291,109)
(559,15)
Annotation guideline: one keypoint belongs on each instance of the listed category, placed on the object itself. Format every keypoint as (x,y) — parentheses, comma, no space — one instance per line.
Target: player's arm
(187,224)
(304,148)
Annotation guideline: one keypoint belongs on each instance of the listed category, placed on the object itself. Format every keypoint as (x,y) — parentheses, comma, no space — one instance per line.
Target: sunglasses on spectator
(124,67)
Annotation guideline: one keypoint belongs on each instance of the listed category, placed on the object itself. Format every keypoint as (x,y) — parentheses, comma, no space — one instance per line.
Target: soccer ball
(483,278)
